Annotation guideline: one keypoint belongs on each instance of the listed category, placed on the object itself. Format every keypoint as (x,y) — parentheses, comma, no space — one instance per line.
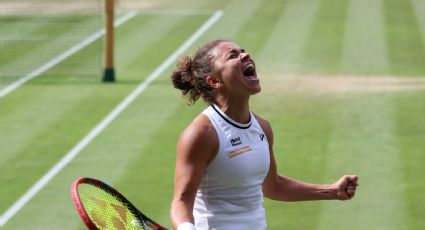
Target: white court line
(9,88)
(108,119)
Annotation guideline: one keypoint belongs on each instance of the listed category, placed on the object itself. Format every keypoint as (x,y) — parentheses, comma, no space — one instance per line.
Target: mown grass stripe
(19,28)
(302,127)
(363,143)
(324,46)
(301,122)
(29,119)
(138,36)
(10,23)
(253,34)
(135,126)
(410,121)
(364,49)
(226,30)
(66,110)
(15,47)
(47,140)
(419,8)
(85,66)
(144,61)
(59,58)
(284,47)
(59,34)
(158,150)
(106,121)
(407,50)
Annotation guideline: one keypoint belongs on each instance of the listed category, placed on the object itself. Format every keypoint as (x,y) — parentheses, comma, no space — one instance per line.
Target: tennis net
(35,33)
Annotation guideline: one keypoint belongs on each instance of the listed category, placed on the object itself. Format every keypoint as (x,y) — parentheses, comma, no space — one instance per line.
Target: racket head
(100,206)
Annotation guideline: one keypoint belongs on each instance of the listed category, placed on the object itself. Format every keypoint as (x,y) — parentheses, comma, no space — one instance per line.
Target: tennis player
(225,162)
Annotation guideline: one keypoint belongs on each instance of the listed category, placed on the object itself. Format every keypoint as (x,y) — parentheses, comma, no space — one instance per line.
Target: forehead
(224,47)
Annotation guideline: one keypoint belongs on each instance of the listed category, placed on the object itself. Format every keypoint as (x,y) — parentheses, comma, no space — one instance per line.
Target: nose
(245,56)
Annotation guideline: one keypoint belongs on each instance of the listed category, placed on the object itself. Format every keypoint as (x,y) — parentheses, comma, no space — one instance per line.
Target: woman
(225,162)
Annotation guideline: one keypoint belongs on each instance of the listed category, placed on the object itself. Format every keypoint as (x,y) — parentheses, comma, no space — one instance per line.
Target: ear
(214,82)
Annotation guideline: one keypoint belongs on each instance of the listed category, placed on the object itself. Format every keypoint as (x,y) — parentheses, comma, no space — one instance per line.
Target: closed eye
(234,53)
(232,56)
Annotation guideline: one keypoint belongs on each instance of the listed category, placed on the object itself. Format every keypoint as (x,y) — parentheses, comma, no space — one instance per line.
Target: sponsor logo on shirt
(238,152)
(236,141)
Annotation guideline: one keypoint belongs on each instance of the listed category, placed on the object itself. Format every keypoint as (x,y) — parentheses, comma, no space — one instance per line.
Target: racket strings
(106,210)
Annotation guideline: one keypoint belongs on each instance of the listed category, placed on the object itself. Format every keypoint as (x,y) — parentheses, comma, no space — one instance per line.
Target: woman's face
(235,69)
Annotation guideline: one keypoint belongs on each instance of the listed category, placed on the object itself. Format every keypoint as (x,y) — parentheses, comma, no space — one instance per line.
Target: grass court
(343,85)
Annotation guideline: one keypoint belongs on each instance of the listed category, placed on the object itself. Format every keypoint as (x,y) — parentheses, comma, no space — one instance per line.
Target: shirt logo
(236,141)
(262,137)
(238,152)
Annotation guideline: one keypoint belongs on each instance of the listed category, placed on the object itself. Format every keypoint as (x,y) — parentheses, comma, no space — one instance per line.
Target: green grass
(411,140)
(407,51)
(248,35)
(35,40)
(364,51)
(319,134)
(294,118)
(323,49)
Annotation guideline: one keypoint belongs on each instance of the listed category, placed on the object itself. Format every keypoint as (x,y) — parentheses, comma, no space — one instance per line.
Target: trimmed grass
(322,53)
(248,33)
(410,133)
(365,50)
(31,46)
(406,49)
(318,135)
(302,127)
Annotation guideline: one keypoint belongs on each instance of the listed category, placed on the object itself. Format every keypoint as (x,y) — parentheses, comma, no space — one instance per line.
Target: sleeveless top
(230,193)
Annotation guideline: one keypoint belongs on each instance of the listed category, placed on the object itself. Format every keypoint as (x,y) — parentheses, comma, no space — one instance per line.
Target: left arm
(283,188)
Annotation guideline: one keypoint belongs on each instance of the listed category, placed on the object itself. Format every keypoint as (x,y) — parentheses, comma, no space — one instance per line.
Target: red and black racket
(102,207)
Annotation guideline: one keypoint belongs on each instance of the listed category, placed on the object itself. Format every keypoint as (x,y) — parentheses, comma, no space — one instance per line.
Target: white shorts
(241,221)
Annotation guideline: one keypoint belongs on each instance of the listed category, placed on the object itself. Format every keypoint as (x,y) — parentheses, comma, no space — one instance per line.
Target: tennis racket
(102,207)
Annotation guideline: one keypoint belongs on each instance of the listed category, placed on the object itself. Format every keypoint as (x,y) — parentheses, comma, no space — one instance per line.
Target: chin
(256,91)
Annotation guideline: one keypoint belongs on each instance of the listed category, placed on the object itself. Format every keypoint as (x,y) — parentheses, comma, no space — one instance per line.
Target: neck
(238,110)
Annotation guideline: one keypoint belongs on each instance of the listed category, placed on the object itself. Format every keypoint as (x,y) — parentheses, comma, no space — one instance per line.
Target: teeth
(250,65)
(249,70)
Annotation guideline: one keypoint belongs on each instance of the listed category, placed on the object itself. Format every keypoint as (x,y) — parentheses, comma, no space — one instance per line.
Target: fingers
(351,190)
(347,186)
(350,179)
(352,183)
(351,187)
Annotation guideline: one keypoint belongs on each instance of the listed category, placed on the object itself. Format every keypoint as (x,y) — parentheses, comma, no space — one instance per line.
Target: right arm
(283,188)
(196,147)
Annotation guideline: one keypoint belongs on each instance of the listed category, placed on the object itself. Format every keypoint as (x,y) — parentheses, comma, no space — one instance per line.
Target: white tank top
(230,193)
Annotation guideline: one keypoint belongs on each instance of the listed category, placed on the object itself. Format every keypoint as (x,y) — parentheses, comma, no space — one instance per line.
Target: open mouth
(248,71)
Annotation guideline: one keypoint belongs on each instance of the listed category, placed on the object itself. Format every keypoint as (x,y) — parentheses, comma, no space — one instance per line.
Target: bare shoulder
(200,128)
(199,139)
(265,125)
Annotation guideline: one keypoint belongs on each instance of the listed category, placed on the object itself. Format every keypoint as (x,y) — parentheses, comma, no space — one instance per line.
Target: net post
(109,72)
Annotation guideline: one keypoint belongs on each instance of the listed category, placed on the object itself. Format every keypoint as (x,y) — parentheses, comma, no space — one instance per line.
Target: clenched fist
(345,187)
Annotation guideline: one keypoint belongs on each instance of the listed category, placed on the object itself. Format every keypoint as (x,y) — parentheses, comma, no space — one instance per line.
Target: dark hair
(192,71)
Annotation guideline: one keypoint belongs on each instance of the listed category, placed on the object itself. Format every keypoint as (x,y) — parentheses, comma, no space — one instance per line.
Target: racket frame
(102,185)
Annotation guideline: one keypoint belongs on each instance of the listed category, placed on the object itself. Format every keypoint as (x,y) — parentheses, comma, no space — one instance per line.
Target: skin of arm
(196,147)
(283,188)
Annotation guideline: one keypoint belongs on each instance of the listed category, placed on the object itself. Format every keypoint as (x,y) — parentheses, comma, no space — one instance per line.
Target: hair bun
(192,72)
(183,78)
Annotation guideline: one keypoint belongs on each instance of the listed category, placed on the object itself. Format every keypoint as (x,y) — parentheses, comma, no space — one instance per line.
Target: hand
(345,187)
